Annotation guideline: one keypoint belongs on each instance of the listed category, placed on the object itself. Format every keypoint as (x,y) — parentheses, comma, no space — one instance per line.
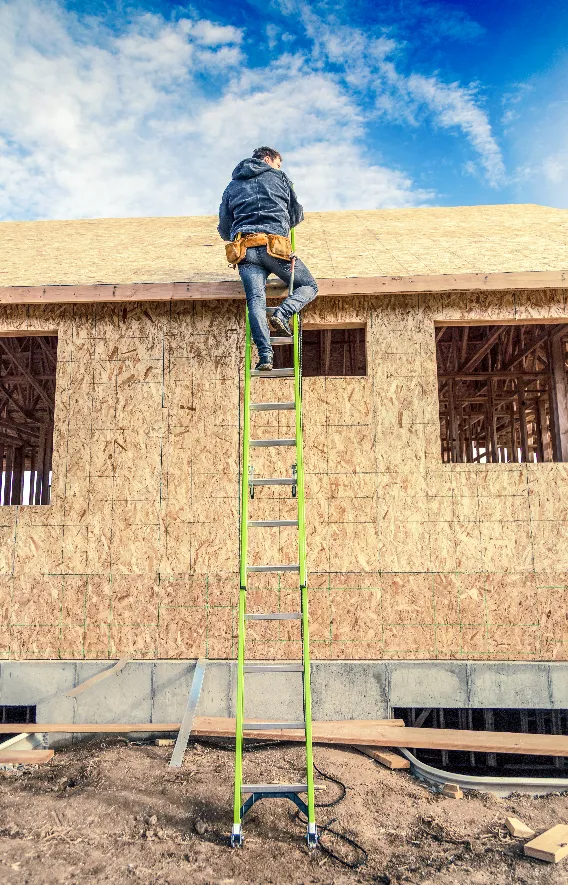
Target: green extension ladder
(247,794)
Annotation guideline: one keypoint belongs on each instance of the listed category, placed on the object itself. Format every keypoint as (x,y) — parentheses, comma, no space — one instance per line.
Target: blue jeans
(253,272)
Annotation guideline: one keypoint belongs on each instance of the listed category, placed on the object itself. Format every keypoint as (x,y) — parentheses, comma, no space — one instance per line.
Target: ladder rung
(286,481)
(274,373)
(274,616)
(274,668)
(272,407)
(283,340)
(271,310)
(265,443)
(277,789)
(273,726)
(271,523)
(273,568)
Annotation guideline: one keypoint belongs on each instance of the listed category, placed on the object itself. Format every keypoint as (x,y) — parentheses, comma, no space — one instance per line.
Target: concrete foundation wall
(409,558)
(157,691)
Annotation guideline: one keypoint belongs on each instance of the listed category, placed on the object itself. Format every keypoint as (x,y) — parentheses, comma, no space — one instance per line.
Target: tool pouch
(279,247)
(235,251)
(276,245)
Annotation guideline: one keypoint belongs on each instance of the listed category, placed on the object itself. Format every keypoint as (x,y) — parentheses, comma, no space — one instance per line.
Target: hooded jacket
(259,199)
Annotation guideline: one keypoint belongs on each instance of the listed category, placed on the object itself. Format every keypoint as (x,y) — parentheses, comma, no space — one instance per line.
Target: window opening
(20,713)
(336,352)
(503,393)
(27,404)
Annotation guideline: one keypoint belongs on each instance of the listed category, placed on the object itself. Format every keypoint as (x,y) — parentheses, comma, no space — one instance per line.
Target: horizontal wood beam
(203,725)
(370,733)
(223,289)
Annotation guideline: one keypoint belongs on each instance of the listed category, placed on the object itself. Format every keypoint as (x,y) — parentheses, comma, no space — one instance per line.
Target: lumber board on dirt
(385,757)
(551,846)
(25,757)
(203,726)
(518,829)
(371,733)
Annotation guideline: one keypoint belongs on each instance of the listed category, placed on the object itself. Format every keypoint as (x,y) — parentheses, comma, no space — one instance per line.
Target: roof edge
(345,286)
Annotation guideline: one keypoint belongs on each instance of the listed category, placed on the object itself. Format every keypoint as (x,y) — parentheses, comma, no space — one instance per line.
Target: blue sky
(117,109)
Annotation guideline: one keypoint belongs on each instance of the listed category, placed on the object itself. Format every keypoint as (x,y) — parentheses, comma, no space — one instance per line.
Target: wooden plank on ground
(518,829)
(453,791)
(551,846)
(371,733)
(203,726)
(25,757)
(111,671)
(385,757)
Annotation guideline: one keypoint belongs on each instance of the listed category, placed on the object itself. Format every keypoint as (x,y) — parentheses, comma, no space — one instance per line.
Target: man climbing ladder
(257,211)
(245,795)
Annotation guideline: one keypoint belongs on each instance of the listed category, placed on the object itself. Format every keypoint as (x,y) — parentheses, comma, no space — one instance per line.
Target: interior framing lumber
(503,392)
(28,368)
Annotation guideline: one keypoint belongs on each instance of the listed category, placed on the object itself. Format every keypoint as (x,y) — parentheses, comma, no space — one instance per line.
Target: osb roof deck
(400,247)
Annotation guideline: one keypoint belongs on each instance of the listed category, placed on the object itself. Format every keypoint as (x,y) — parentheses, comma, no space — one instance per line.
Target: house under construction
(436,431)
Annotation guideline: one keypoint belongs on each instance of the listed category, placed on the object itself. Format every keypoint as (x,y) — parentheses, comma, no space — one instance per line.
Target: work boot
(264,365)
(280,325)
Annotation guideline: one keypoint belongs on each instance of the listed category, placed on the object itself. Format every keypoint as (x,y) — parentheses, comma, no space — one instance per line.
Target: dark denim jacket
(259,199)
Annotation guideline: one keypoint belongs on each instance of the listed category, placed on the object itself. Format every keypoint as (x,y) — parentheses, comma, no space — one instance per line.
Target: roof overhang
(214,291)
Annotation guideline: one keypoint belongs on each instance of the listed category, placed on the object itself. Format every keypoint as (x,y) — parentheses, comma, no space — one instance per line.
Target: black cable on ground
(327,827)
(334,780)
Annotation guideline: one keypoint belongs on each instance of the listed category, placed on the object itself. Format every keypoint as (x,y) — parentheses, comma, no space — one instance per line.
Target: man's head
(269,155)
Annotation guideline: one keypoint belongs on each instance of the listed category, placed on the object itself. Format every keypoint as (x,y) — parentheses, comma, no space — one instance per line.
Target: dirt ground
(113,812)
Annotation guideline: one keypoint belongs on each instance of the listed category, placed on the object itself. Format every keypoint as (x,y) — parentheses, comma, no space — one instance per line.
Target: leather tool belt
(276,245)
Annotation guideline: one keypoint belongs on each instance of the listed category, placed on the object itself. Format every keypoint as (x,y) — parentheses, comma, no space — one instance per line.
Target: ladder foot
(312,836)
(236,837)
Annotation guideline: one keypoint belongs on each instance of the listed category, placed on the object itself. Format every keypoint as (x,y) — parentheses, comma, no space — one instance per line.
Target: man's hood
(250,168)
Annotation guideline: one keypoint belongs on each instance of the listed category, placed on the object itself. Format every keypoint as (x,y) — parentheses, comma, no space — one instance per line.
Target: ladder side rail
(237,835)
(302,546)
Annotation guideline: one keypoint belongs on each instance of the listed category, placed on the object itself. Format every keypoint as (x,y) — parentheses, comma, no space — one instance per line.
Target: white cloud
(542,174)
(537,135)
(95,124)
(328,174)
(370,64)
(455,107)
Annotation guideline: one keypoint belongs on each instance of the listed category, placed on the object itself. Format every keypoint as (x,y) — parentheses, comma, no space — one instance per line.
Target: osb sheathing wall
(138,553)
